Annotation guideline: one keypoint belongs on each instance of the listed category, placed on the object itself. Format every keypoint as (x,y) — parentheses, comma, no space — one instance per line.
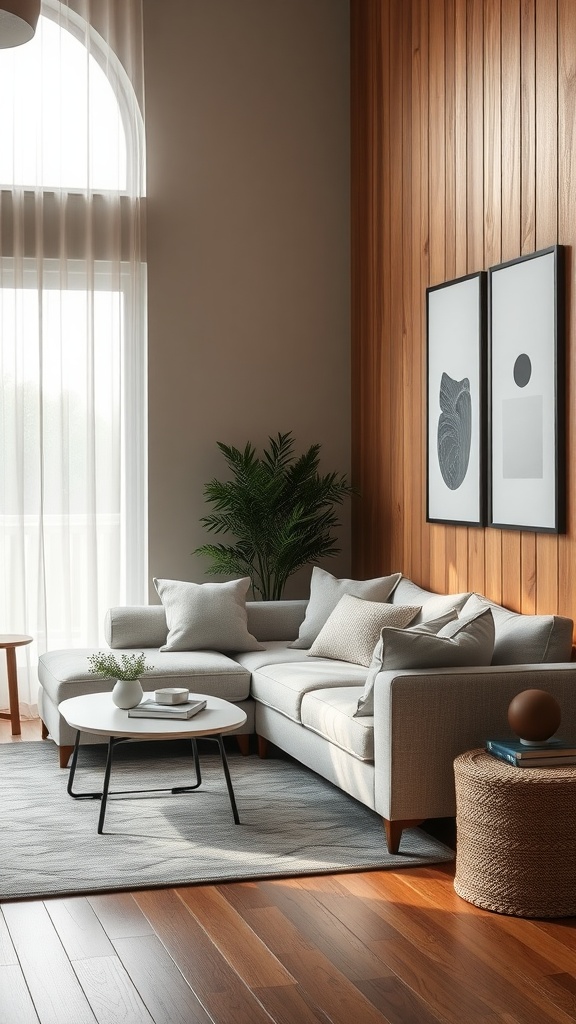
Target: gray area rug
(292,823)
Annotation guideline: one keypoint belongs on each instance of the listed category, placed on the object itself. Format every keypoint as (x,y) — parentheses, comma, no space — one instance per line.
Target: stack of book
(152,709)
(551,753)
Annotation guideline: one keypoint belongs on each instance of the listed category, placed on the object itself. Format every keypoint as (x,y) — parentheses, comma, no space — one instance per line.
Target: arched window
(72,328)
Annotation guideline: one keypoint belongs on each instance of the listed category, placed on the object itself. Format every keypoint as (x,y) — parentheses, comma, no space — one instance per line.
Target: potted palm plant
(280,510)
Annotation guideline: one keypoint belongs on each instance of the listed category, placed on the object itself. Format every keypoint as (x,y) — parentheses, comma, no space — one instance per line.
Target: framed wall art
(526,393)
(456,382)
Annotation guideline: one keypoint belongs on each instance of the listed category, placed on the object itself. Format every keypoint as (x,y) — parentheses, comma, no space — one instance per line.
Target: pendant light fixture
(18,20)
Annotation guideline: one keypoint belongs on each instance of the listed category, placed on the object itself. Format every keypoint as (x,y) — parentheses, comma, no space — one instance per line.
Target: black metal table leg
(188,789)
(106,785)
(228,779)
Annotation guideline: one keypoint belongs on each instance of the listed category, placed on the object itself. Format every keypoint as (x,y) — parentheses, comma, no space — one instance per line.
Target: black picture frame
(456,316)
(526,393)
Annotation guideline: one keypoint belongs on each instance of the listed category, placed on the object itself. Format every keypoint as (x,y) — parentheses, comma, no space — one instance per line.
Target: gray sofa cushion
(275,620)
(275,652)
(283,686)
(326,591)
(65,674)
(351,631)
(461,642)
(432,605)
(206,616)
(521,639)
(330,713)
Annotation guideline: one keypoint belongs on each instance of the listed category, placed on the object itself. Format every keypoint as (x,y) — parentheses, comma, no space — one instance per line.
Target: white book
(151,709)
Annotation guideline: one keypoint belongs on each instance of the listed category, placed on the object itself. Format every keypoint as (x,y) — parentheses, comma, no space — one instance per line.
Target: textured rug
(292,823)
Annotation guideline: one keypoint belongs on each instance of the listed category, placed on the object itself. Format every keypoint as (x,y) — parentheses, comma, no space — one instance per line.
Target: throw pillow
(326,591)
(459,642)
(350,633)
(206,616)
(522,639)
(433,605)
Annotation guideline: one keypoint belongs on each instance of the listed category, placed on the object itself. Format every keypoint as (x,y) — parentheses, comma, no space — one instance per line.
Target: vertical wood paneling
(492,220)
(528,229)
(475,108)
(510,173)
(566,208)
(458,574)
(437,191)
(546,228)
(464,154)
(395,86)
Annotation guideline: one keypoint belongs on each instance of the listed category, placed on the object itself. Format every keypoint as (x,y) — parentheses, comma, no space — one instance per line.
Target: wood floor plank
(503,977)
(110,992)
(244,951)
(218,988)
(165,992)
(340,999)
(16,1006)
(78,928)
(290,1004)
(327,932)
(55,989)
(7,952)
(400,1003)
(120,915)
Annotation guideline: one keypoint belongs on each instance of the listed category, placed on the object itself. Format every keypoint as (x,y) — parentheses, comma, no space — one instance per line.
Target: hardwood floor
(361,948)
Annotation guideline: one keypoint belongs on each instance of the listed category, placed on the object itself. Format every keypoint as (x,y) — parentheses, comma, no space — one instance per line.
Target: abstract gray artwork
(454,430)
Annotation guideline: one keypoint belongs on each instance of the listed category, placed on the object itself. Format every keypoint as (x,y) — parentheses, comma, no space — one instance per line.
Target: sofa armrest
(423,720)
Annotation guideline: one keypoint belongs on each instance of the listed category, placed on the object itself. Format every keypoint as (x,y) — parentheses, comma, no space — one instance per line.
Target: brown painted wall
(463,155)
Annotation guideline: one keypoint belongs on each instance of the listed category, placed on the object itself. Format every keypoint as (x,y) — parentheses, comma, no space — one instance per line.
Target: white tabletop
(96,713)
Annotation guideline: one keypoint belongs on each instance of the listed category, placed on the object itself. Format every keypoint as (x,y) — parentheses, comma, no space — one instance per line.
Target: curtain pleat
(72,329)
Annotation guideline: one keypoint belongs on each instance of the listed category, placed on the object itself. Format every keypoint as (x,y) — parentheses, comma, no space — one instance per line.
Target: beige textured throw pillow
(326,591)
(206,616)
(458,642)
(351,632)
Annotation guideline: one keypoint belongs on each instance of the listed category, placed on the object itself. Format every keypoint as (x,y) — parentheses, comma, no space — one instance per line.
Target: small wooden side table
(10,641)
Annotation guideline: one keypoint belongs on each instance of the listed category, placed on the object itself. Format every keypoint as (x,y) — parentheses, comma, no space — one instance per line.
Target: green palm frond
(279,509)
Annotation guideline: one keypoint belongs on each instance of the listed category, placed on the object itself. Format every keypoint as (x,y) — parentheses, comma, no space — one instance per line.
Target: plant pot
(127,693)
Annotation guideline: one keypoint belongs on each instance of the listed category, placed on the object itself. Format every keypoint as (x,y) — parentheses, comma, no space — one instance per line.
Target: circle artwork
(522,370)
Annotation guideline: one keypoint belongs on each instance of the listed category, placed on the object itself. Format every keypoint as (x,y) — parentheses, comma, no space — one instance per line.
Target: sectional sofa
(392,749)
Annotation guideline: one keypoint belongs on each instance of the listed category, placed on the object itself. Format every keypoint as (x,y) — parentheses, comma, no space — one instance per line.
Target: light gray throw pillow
(351,632)
(326,591)
(522,639)
(206,616)
(458,642)
(432,605)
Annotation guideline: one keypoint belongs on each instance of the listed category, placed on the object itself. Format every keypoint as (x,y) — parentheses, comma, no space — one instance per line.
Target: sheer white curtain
(72,329)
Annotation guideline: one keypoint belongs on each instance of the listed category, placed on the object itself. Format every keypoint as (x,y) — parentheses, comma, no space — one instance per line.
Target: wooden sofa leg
(244,744)
(262,747)
(394,830)
(45,732)
(64,753)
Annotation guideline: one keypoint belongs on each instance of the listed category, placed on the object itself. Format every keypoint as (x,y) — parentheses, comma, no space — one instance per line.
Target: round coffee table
(95,713)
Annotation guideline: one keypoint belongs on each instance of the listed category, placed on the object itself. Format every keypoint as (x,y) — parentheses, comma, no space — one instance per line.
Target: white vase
(127,693)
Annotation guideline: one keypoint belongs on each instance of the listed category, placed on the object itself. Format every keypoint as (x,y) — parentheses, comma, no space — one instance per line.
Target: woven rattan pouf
(515,836)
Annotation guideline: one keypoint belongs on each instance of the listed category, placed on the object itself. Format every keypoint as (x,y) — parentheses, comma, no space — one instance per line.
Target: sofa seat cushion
(330,713)
(275,652)
(65,674)
(283,686)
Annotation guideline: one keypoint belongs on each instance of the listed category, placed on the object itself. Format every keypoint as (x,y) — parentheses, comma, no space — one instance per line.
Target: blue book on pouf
(553,751)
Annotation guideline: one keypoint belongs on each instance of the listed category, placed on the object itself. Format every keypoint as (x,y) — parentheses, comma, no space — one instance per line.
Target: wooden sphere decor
(534,715)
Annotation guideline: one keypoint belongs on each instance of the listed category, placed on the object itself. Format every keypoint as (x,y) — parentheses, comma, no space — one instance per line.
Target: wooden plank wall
(463,155)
